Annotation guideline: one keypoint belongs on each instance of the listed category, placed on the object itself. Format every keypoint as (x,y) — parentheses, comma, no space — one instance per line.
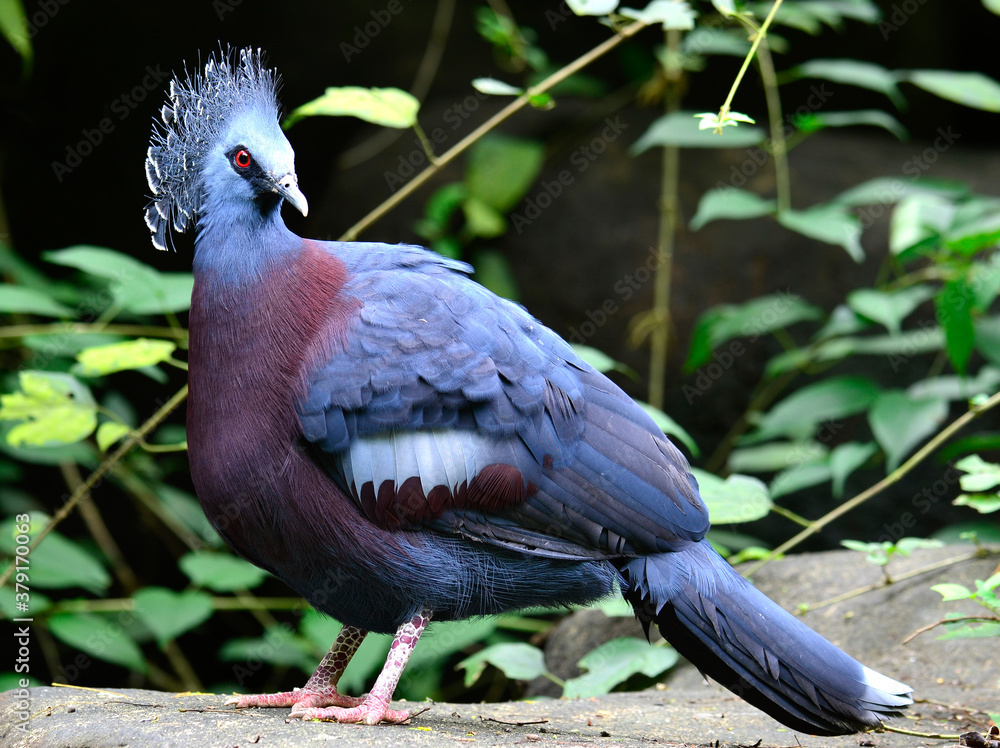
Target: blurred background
(77,110)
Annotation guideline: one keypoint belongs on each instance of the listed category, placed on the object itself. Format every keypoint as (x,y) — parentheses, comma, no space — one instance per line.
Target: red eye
(242,158)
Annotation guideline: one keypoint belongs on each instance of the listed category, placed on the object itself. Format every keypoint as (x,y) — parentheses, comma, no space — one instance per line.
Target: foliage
(97,324)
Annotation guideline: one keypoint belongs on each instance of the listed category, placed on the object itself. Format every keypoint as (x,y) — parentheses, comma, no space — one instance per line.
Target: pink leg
(321,688)
(375,707)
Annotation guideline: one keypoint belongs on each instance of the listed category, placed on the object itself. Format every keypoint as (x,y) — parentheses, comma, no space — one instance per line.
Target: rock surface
(955,684)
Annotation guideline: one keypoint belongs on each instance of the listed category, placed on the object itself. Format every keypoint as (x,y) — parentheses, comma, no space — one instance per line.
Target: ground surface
(955,683)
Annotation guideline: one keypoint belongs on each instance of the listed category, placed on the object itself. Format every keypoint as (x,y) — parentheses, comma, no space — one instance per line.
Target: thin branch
(761,33)
(930,626)
(894,477)
(779,149)
(669,222)
(931,735)
(515,106)
(885,581)
(83,490)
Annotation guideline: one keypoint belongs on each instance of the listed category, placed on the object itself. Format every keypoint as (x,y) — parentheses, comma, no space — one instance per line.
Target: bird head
(219,143)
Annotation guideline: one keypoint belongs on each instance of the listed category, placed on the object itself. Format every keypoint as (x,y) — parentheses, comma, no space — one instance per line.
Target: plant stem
(760,34)
(894,477)
(83,490)
(669,215)
(515,106)
(809,607)
(779,150)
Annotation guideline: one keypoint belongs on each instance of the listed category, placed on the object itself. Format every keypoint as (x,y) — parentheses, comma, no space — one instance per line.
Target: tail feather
(749,644)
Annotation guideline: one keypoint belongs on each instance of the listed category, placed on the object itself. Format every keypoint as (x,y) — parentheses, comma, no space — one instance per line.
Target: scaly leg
(375,707)
(321,688)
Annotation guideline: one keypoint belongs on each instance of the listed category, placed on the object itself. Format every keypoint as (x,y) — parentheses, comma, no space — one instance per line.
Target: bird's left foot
(371,711)
(303,698)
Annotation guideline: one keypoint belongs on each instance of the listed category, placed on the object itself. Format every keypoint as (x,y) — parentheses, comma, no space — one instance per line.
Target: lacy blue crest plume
(198,109)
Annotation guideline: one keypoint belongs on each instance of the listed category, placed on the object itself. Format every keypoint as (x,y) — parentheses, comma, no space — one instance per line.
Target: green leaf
(984,277)
(616,661)
(900,423)
(954,305)
(14,27)
(889,308)
(725,7)
(888,190)
(988,338)
(592,7)
(827,223)
(188,512)
(737,499)
(669,426)
(130,354)
(853,72)
(279,646)
(957,388)
(845,459)
(102,637)
(482,220)
(681,129)
(729,202)
(57,563)
(773,456)
(109,432)
(973,630)
(493,271)
(448,638)
(800,413)
(994,7)
(493,87)
(981,475)
(600,360)
(389,107)
(815,121)
(518,661)
(54,408)
(750,320)
(137,287)
(168,293)
(500,170)
(800,476)
(717,41)
(24,300)
(221,572)
(971,89)
(843,321)
(917,219)
(673,14)
(969,237)
(169,614)
(319,629)
(984,503)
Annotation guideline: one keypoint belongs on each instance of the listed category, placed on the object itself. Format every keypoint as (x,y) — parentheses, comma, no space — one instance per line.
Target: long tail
(749,644)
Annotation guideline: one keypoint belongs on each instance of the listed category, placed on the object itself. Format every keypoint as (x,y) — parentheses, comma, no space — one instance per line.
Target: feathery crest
(198,108)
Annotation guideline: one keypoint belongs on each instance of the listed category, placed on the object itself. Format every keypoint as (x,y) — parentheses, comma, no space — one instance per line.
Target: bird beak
(288,187)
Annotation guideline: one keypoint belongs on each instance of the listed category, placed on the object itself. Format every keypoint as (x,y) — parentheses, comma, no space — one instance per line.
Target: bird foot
(368,712)
(302,698)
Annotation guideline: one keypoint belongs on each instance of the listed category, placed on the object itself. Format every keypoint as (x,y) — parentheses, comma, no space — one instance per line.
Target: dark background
(97,62)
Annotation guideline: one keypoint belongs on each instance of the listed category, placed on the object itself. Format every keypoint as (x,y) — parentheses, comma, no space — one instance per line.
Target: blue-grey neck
(239,242)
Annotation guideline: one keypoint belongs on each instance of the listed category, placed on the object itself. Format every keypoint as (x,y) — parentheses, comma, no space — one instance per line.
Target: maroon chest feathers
(247,349)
